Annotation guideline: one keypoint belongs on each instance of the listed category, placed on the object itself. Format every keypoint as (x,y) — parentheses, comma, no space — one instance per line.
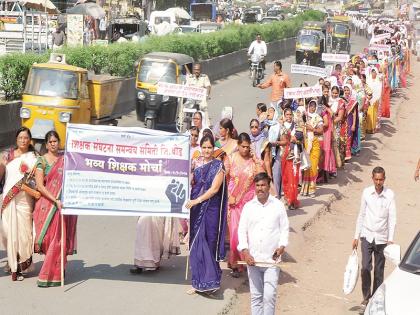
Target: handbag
(29,185)
(305,162)
(351,273)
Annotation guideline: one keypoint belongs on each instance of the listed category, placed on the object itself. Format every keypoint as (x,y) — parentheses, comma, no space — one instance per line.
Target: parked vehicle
(256,72)
(269,19)
(340,37)
(57,93)
(154,68)
(399,293)
(208,27)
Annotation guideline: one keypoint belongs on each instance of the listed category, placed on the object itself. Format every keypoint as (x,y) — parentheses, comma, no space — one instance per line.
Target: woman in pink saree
(47,215)
(241,167)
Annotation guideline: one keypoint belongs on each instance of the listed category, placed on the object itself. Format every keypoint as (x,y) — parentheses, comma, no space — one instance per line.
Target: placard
(310,70)
(125,171)
(303,92)
(180,90)
(337,58)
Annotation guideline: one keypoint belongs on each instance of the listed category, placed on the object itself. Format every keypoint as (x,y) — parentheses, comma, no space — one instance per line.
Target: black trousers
(378,274)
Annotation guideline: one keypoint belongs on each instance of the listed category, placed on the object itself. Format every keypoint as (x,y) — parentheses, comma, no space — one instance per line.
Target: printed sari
(352,115)
(207,229)
(47,222)
(241,187)
(339,132)
(290,176)
(310,175)
(372,117)
(16,212)
(328,164)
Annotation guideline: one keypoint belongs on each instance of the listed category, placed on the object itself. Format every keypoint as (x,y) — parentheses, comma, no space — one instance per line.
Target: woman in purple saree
(208,206)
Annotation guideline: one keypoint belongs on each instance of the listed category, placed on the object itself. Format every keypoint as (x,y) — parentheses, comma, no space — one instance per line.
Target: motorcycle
(256,71)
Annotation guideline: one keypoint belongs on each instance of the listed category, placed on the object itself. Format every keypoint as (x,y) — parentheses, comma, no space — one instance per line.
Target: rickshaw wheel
(150,124)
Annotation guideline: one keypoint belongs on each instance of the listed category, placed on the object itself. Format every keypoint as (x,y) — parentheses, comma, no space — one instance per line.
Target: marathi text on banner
(303,92)
(310,70)
(340,58)
(125,171)
(380,37)
(180,90)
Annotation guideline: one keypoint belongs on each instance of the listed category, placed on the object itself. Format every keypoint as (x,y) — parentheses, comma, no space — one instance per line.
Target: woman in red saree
(47,215)
(290,171)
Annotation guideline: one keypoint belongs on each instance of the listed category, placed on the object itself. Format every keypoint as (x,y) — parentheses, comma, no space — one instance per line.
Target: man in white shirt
(263,235)
(375,227)
(258,47)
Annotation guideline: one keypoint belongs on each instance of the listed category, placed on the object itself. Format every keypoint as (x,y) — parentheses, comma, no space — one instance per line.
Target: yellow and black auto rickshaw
(310,44)
(340,34)
(57,93)
(158,67)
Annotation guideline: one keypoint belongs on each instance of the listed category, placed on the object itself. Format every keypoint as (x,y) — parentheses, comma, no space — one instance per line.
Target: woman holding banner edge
(47,214)
(208,209)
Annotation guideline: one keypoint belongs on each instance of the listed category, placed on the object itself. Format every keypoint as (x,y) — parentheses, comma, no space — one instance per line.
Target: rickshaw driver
(51,86)
(201,80)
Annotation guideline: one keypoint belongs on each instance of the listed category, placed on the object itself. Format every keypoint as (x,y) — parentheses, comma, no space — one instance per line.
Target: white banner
(180,90)
(379,47)
(310,70)
(380,37)
(338,58)
(387,29)
(125,171)
(303,92)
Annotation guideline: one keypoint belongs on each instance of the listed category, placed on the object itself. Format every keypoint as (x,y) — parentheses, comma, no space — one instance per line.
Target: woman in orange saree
(47,215)
(241,167)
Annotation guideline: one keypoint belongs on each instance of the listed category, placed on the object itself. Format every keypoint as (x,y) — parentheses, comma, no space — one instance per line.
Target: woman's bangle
(199,200)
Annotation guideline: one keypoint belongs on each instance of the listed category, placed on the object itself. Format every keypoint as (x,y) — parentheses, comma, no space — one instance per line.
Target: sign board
(336,58)
(125,171)
(180,90)
(310,70)
(379,47)
(75,28)
(303,92)
(380,37)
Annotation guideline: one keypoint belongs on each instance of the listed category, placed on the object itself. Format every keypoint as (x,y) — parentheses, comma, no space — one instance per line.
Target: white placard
(379,47)
(380,37)
(180,90)
(339,58)
(310,70)
(303,92)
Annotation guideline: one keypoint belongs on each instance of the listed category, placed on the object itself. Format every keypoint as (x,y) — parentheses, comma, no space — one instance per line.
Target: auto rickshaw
(154,68)
(340,37)
(310,44)
(249,16)
(57,93)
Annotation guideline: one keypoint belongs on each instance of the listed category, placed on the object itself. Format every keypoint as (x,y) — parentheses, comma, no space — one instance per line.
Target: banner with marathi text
(125,171)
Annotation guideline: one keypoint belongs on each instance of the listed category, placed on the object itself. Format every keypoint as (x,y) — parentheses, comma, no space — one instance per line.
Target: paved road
(98,281)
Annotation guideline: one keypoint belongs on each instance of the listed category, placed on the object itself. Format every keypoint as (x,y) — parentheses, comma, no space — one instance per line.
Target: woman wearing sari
(339,127)
(226,142)
(241,167)
(327,161)
(47,214)
(290,170)
(260,146)
(314,129)
(352,118)
(208,206)
(16,210)
(371,112)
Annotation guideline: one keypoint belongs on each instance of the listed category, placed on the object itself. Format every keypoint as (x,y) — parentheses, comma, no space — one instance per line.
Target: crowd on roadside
(297,144)
(291,147)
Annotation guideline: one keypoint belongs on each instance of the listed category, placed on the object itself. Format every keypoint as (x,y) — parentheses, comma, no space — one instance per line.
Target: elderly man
(263,234)
(201,80)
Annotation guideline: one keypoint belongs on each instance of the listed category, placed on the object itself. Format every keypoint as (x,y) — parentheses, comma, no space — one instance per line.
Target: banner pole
(188,254)
(62,249)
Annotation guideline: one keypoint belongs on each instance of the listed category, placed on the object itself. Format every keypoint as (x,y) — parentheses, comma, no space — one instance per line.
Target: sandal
(17,276)
(136,270)
(191,291)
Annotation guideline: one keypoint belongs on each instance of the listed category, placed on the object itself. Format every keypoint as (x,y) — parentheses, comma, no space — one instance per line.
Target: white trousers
(263,287)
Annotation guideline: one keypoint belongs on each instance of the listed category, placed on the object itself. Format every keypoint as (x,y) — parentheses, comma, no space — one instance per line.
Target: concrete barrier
(223,66)
(10,122)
